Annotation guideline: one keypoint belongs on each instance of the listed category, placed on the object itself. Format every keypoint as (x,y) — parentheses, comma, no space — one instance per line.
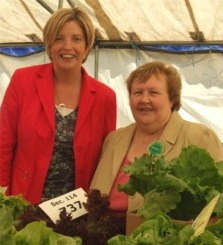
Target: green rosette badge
(156,148)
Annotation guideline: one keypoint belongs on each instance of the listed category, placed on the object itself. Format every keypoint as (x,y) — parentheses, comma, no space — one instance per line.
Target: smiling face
(150,103)
(68,50)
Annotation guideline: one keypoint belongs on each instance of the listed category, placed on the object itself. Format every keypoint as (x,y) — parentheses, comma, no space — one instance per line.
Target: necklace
(61,105)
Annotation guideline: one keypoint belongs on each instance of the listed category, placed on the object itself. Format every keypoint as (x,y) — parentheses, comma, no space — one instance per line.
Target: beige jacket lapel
(113,153)
(171,131)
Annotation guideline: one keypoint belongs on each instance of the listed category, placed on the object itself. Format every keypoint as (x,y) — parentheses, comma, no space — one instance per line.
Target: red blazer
(27,129)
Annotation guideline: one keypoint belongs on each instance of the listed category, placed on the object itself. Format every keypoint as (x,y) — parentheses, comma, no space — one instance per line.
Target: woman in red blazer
(54,117)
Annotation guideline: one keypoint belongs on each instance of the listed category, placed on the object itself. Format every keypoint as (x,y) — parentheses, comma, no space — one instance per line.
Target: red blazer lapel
(87,98)
(45,88)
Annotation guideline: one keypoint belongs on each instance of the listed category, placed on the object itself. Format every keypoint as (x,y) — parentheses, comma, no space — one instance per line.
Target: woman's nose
(145,97)
(68,44)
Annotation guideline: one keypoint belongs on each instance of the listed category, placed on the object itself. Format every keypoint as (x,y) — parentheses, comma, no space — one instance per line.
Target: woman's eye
(154,92)
(137,92)
(58,38)
(77,39)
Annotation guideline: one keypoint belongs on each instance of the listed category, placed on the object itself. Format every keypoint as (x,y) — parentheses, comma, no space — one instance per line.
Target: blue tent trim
(177,49)
(21,51)
(185,48)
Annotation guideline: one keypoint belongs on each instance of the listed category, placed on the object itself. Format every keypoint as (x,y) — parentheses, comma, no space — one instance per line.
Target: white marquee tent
(186,33)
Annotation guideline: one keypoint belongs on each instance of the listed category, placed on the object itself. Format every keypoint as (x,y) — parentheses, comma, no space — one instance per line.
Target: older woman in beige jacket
(155,98)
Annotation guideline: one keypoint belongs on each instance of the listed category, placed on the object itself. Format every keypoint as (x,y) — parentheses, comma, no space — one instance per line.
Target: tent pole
(47,7)
(60,4)
(96,61)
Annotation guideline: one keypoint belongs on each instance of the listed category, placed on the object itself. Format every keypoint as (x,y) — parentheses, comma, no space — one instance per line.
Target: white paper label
(71,202)
(202,219)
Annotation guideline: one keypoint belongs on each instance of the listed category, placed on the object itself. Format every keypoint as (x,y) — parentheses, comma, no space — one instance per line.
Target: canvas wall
(202,95)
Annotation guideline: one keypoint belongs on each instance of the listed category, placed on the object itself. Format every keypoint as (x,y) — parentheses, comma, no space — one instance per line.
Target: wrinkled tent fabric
(124,20)
(186,33)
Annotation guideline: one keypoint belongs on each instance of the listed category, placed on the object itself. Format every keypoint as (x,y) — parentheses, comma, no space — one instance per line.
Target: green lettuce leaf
(180,188)
(7,228)
(158,230)
(37,233)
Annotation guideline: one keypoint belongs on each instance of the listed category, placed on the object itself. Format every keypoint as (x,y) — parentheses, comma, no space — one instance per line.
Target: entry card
(202,219)
(71,202)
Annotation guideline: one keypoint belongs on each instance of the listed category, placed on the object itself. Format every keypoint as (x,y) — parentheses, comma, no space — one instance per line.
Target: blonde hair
(173,79)
(57,21)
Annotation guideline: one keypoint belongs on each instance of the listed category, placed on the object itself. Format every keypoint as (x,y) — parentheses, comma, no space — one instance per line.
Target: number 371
(72,207)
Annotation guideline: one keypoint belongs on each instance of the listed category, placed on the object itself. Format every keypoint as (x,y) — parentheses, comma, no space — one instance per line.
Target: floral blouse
(60,176)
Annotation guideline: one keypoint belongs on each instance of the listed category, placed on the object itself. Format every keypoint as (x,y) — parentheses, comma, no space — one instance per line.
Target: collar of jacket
(45,89)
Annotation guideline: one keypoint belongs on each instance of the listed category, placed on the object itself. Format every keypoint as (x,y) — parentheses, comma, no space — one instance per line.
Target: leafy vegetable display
(161,230)
(31,226)
(180,188)
(176,189)
(35,233)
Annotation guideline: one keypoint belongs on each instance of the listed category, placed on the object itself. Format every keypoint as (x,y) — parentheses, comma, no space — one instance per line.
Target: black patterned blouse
(60,177)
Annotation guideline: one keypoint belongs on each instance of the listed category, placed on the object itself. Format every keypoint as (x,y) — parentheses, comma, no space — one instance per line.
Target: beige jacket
(177,134)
